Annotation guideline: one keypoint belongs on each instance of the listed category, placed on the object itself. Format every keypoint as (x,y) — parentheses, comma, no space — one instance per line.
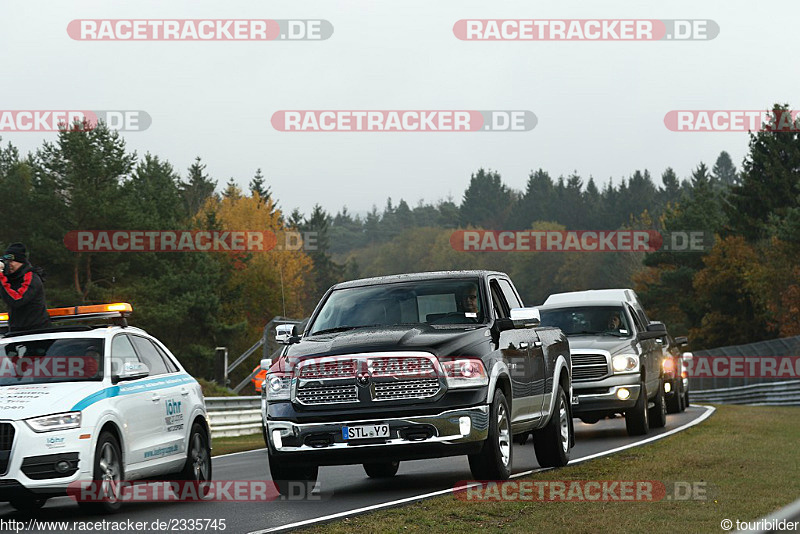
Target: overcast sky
(600,105)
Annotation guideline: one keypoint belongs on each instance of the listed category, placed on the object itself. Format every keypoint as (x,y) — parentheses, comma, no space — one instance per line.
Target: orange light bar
(96,310)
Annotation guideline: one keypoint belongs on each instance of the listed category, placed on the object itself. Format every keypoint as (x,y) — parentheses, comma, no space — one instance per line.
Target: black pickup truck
(417,366)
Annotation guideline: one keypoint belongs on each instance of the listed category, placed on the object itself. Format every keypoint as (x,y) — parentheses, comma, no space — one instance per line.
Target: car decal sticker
(128,389)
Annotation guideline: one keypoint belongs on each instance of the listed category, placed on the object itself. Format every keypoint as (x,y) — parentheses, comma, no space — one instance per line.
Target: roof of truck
(592,295)
(416,277)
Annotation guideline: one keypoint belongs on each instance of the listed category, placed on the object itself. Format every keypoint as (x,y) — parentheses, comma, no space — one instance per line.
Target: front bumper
(33,458)
(452,432)
(600,398)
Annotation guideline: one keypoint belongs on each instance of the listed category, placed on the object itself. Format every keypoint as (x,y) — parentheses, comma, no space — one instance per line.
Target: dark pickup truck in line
(417,366)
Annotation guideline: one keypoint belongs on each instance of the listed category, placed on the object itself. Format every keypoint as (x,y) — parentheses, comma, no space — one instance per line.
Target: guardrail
(766,394)
(234,416)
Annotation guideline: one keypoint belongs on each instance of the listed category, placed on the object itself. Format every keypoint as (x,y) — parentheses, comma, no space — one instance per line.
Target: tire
(27,504)
(289,477)
(685,400)
(264,433)
(658,413)
(198,456)
(636,419)
(108,473)
(553,441)
(381,469)
(675,402)
(493,462)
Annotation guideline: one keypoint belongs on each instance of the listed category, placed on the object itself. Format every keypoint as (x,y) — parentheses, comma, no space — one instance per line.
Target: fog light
(623,394)
(276,439)
(62,466)
(464,425)
(667,387)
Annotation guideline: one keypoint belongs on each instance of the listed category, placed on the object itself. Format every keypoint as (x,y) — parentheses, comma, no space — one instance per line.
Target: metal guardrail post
(221,366)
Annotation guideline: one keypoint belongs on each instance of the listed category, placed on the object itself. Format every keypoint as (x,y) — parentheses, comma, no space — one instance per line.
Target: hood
(614,345)
(440,342)
(33,400)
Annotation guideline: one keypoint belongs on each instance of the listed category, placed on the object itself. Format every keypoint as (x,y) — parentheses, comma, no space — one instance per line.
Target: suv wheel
(552,442)
(494,460)
(658,413)
(675,400)
(108,476)
(636,420)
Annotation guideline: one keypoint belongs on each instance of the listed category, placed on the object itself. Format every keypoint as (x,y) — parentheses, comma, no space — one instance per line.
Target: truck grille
(329,369)
(6,441)
(407,389)
(333,380)
(589,366)
(398,367)
(327,394)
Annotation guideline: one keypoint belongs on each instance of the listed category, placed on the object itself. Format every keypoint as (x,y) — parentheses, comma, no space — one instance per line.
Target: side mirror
(681,341)
(266,363)
(657,327)
(688,356)
(525,317)
(284,333)
(131,371)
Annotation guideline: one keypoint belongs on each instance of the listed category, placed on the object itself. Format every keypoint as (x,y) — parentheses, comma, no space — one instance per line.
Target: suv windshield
(588,320)
(47,361)
(435,302)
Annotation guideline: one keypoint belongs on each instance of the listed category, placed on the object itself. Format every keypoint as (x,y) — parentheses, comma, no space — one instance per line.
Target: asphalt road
(344,489)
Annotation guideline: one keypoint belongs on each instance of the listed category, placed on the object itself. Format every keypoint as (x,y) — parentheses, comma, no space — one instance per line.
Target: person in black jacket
(22,289)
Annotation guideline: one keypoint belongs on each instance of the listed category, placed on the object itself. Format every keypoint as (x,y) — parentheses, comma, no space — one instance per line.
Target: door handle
(537,343)
(523,345)
(184,392)
(155,398)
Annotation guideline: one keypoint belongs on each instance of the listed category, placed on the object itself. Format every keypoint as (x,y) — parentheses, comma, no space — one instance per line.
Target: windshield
(434,302)
(588,320)
(47,361)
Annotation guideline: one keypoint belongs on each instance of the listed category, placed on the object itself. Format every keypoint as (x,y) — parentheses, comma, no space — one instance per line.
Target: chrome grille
(407,389)
(327,394)
(329,369)
(589,366)
(401,366)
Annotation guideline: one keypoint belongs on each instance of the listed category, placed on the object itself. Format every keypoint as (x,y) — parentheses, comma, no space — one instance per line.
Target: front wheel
(636,420)
(658,413)
(552,442)
(108,476)
(493,462)
(293,479)
(381,469)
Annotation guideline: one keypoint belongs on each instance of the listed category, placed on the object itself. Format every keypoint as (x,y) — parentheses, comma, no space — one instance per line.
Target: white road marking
(709,410)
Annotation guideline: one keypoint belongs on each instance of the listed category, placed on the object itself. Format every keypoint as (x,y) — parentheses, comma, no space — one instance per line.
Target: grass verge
(747,456)
(237,444)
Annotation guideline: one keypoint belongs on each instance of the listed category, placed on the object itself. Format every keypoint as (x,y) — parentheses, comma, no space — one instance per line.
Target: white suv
(95,403)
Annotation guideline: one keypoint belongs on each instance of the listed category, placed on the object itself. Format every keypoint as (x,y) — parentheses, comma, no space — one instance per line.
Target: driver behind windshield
(467,300)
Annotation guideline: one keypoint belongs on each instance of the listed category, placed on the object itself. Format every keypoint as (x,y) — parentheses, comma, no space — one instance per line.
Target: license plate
(365,432)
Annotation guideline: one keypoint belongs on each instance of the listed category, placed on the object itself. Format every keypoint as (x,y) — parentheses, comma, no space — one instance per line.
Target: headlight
(278,386)
(625,363)
(57,421)
(465,373)
(668,365)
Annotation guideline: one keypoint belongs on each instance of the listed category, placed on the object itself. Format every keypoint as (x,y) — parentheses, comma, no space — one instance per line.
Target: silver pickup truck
(617,356)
